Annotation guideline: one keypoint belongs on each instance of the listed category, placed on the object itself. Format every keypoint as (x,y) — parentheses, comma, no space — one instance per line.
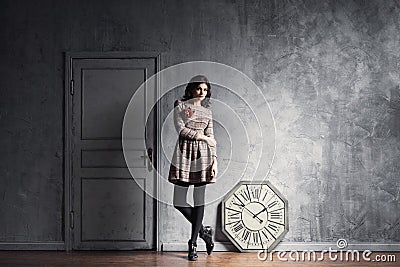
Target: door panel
(110,210)
(107,216)
(103,119)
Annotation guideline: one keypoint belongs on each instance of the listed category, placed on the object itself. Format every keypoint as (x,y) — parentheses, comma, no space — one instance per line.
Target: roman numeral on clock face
(272,204)
(234,215)
(268,235)
(276,215)
(245,234)
(245,194)
(272,228)
(237,201)
(256,192)
(238,226)
(256,237)
(268,193)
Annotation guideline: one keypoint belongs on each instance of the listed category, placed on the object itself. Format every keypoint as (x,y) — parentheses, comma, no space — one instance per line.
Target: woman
(194,161)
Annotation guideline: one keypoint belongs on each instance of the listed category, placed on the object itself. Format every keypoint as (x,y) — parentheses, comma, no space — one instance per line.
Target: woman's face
(200,91)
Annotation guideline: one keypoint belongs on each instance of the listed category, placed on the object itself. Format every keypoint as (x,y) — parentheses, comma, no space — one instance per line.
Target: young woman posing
(194,161)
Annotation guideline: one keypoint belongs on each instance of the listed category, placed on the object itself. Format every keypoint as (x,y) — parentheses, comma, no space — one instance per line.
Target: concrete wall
(329,69)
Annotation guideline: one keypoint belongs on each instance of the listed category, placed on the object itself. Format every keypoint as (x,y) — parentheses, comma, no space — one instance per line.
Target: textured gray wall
(329,69)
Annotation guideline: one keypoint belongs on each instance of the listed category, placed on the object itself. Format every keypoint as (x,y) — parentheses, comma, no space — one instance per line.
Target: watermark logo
(330,254)
(341,243)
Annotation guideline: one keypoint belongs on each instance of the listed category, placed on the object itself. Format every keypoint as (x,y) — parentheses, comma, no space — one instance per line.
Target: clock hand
(241,202)
(254,216)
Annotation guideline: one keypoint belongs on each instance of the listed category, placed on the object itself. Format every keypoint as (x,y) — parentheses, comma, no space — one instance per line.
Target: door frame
(68,88)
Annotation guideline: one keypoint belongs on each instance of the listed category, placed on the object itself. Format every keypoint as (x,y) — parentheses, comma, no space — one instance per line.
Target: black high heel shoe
(207,235)
(192,254)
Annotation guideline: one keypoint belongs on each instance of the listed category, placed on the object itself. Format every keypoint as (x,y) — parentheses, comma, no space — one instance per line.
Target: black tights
(193,214)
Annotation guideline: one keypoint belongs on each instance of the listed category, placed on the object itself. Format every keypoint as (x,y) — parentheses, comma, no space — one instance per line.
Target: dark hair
(192,84)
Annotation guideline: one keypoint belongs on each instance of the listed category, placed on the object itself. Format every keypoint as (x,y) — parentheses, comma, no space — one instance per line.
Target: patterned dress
(192,159)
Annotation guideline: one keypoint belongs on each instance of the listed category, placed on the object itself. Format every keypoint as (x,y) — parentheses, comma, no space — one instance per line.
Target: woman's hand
(209,140)
(214,171)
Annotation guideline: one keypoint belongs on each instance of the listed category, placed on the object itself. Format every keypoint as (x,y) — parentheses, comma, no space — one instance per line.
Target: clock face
(254,216)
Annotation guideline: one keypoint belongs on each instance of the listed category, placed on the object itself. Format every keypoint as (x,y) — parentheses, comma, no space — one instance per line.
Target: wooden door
(109,208)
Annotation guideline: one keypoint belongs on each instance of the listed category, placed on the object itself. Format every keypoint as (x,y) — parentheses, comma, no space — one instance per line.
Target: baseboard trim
(288,246)
(219,246)
(178,246)
(32,246)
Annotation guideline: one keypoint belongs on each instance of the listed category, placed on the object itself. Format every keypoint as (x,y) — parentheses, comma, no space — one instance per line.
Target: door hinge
(72,87)
(71,218)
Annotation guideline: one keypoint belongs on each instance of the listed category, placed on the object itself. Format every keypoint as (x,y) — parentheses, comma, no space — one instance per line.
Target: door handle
(149,156)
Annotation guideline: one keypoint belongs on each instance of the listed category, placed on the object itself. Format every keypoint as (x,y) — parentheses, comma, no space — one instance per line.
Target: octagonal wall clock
(255,216)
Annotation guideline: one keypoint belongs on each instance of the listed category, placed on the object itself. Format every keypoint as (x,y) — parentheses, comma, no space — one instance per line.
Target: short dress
(192,159)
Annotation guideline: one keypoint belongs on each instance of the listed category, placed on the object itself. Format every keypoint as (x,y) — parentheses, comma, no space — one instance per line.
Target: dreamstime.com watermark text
(329,254)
